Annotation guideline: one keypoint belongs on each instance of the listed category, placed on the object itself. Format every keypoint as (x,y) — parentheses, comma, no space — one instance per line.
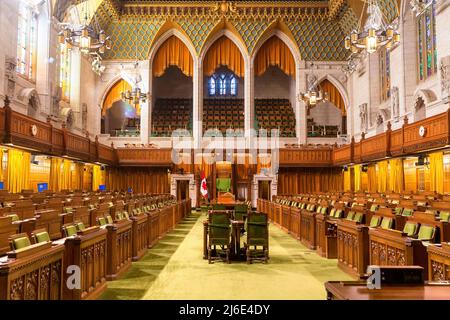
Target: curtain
(224,53)
(437,172)
(275,53)
(18,170)
(55,174)
(97,177)
(173,52)
(66,175)
(372,178)
(396,180)
(115,94)
(382,174)
(347,182)
(77,184)
(292,181)
(334,96)
(357,169)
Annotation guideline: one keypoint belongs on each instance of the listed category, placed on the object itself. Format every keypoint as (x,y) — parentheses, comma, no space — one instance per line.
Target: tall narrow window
(385,74)
(223,84)
(426,42)
(64,71)
(26,41)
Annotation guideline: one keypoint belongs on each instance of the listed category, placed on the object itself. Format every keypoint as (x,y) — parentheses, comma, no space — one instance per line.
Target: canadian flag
(203,186)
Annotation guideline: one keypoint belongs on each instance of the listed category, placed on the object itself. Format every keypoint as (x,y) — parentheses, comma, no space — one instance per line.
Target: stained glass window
(64,71)
(223,84)
(426,34)
(26,41)
(385,74)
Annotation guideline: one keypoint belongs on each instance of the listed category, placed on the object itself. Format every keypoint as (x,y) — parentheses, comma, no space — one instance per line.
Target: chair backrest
(444,215)
(350,215)
(19,241)
(257,229)
(219,207)
(358,217)
(374,222)
(40,235)
(101,221)
(80,226)
(109,219)
(69,230)
(239,211)
(426,232)
(410,228)
(14,217)
(219,228)
(407,212)
(386,223)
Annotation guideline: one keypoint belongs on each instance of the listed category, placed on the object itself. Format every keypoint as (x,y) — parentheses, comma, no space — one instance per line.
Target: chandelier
(314,95)
(419,6)
(84,37)
(376,32)
(135,95)
(96,64)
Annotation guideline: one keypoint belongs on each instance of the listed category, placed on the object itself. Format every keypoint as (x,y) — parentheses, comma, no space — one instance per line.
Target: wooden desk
(352,247)
(140,236)
(356,290)
(88,251)
(439,262)
(236,226)
(118,248)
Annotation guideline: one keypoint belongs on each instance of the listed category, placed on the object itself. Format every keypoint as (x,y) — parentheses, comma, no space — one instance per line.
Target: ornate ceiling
(318,27)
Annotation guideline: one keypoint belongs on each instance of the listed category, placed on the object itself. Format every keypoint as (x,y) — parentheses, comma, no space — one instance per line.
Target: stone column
(197,104)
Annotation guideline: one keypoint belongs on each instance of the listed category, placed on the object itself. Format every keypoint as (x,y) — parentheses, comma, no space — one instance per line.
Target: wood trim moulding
(144,157)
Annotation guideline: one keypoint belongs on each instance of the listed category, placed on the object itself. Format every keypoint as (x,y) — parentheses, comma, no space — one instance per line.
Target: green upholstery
(80,226)
(318,209)
(119,216)
(223,184)
(358,217)
(14,217)
(303,205)
(20,243)
(410,229)
(126,215)
(219,207)
(101,221)
(153,207)
(386,223)
(373,208)
(338,213)
(323,210)
(257,230)
(219,229)
(350,215)
(70,230)
(407,212)
(68,209)
(426,233)
(240,210)
(332,212)
(109,219)
(398,211)
(444,215)
(374,222)
(42,237)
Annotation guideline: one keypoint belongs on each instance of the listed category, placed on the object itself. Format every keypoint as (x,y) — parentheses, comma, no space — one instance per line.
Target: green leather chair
(410,229)
(375,221)
(257,237)
(444,215)
(350,215)
(80,226)
(109,219)
(70,230)
(19,241)
(386,223)
(426,233)
(40,235)
(240,212)
(219,235)
(101,221)
(407,212)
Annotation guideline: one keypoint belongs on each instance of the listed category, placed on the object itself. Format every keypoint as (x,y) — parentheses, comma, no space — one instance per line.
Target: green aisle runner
(174,269)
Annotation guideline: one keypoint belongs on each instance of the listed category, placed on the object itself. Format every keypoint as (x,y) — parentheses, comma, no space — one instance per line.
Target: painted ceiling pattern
(318,27)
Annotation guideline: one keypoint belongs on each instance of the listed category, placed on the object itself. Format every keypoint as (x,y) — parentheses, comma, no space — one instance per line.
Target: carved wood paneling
(306,157)
(144,157)
(376,147)
(343,155)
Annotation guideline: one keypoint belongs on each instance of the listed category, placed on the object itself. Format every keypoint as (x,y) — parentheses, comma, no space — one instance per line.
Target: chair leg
(249,259)
(209,256)
(228,255)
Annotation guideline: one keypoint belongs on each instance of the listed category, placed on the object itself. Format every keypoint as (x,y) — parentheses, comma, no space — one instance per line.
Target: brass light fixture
(315,94)
(84,37)
(376,32)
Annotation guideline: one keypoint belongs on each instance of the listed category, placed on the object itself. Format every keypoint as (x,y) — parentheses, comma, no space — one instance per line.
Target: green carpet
(174,269)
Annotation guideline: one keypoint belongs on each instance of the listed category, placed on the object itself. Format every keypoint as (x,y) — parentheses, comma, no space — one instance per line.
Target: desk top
(357,290)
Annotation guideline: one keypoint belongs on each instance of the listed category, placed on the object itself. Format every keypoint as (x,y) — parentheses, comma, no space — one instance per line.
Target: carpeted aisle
(174,269)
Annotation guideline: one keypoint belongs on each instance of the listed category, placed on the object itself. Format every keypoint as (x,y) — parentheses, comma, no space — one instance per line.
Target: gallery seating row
(369,229)
(169,115)
(275,114)
(100,239)
(223,114)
